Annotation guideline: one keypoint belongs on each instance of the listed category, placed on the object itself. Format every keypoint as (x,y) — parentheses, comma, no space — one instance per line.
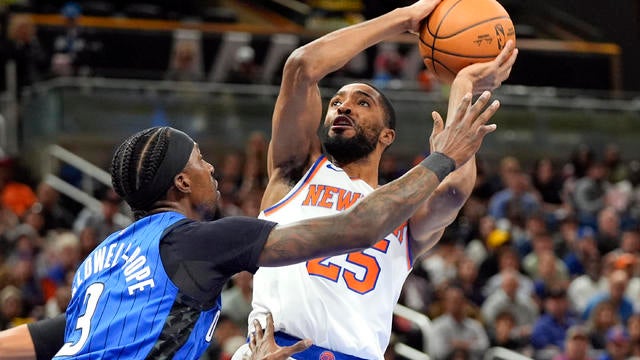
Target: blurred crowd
(70,49)
(543,259)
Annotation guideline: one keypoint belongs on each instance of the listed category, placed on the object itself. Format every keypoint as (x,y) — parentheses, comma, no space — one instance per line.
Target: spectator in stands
(467,274)
(548,184)
(486,183)
(630,242)
(582,249)
(244,69)
(455,331)
(418,292)
(88,241)
(25,50)
(524,236)
(24,242)
(586,286)
(602,318)
(186,61)
(581,159)
(24,278)
(617,285)
(609,232)
(504,333)
(618,344)
(65,253)
(387,65)
(441,262)
(543,246)
(634,192)
(15,196)
(633,325)
(548,274)
(228,338)
(509,166)
(549,331)
(507,297)
(630,264)
(69,46)
(576,345)
(237,299)
(480,248)
(11,312)
(57,304)
(496,241)
(508,259)
(102,222)
(616,169)
(516,202)
(55,215)
(589,193)
(565,235)
(254,175)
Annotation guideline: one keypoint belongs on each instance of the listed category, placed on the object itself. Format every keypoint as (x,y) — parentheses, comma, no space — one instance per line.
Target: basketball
(459,33)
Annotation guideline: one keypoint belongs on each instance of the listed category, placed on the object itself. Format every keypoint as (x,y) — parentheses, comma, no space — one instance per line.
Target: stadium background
(81,76)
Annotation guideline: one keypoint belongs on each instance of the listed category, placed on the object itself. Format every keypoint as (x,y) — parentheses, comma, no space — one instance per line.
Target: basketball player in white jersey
(344,304)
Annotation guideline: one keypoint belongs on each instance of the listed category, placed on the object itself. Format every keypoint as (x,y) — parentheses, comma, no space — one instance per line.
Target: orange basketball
(462,32)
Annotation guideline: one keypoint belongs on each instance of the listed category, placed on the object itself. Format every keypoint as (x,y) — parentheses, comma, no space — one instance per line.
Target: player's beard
(345,150)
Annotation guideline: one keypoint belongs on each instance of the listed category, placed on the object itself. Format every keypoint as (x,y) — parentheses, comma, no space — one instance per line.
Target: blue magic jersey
(125,306)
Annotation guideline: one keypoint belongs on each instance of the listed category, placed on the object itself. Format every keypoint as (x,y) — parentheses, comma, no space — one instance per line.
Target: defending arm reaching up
(390,205)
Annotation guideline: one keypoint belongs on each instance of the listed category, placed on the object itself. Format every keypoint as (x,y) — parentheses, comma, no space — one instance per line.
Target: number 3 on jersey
(369,263)
(83,323)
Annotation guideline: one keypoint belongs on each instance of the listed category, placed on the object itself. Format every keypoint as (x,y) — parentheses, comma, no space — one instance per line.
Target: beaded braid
(135,163)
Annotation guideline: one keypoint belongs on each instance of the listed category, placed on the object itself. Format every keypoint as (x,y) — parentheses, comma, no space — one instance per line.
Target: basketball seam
(434,61)
(460,55)
(441,21)
(435,36)
(473,25)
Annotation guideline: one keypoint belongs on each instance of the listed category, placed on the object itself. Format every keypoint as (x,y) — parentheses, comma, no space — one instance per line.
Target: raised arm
(294,144)
(439,211)
(390,205)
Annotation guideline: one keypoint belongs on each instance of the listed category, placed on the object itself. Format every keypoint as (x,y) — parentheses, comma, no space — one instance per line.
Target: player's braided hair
(136,162)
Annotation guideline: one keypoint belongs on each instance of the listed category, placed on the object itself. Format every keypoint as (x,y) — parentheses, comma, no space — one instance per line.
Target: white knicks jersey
(342,303)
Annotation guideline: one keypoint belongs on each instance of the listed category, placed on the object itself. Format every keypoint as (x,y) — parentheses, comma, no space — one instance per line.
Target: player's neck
(365,169)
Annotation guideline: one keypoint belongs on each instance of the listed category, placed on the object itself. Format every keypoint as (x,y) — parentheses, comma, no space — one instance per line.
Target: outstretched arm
(439,211)
(34,341)
(16,344)
(294,144)
(390,205)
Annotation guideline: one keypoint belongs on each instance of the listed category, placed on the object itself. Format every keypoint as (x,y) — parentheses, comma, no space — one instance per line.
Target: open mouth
(342,122)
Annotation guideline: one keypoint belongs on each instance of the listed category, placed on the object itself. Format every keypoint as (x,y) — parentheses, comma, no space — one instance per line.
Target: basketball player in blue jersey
(153,289)
(345,303)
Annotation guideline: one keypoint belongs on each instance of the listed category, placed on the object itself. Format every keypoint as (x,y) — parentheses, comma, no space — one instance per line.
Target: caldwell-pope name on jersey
(135,269)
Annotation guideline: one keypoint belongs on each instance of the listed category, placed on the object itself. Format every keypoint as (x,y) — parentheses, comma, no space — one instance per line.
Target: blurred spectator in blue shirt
(550,330)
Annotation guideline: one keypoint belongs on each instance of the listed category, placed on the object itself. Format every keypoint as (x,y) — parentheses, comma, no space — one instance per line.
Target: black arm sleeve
(199,257)
(47,336)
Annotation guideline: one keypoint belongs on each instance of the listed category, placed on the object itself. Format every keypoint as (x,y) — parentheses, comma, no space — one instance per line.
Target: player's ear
(182,182)
(387,136)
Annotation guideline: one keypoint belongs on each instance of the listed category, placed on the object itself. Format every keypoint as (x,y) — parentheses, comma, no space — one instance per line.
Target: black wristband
(440,164)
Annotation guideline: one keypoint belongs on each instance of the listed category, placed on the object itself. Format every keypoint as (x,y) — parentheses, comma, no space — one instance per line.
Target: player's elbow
(299,66)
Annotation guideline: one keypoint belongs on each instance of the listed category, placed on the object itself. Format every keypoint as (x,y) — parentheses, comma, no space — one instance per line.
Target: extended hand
(418,11)
(490,75)
(463,135)
(263,345)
